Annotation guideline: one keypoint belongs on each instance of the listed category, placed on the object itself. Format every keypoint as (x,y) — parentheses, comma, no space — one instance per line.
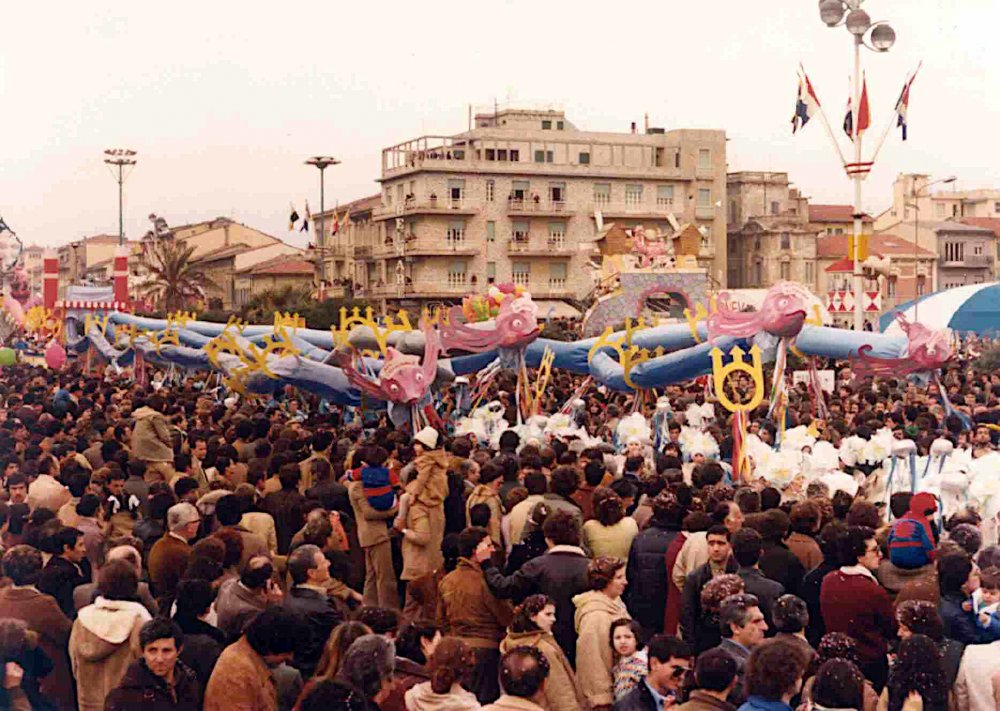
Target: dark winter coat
(142,689)
(646,596)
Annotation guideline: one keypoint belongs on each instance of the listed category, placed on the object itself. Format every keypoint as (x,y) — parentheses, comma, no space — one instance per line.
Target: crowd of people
(172,547)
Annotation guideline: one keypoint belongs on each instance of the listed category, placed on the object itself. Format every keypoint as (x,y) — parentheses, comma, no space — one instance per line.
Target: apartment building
(770,235)
(518,197)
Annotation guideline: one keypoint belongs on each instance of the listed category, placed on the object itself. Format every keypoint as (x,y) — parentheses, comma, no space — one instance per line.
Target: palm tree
(261,306)
(175,281)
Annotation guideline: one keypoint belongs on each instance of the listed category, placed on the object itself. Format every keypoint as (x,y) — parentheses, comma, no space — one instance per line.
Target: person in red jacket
(853,602)
(912,538)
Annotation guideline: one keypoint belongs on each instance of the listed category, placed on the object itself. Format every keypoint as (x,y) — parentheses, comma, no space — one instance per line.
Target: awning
(553,308)
(843,265)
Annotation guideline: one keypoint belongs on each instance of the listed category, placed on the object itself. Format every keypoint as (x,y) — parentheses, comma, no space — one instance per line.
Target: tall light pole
(915,195)
(321,162)
(880,38)
(120,158)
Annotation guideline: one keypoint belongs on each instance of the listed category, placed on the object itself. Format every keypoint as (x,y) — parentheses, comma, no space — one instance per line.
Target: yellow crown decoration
(700,314)
(235,323)
(180,319)
(129,331)
(629,355)
(438,316)
(163,338)
(399,322)
(737,364)
(90,321)
(289,320)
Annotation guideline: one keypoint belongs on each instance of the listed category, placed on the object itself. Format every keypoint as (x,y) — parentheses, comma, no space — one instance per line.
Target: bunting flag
(347,218)
(864,114)
(305,220)
(293,217)
(903,105)
(806,104)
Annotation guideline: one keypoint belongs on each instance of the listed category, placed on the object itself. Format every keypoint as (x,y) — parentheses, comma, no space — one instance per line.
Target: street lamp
(321,162)
(915,195)
(120,158)
(881,37)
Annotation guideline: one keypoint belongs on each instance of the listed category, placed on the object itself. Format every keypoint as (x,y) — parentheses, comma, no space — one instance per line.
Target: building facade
(519,197)
(908,275)
(966,254)
(770,237)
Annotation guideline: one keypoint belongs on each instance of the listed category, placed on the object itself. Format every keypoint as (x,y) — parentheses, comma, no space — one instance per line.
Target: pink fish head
(517,322)
(784,309)
(402,378)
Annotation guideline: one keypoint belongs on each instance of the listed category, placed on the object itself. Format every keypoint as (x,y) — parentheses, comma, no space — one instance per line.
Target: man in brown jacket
(40,612)
(242,677)
(151,440)
(714,677)
(468,610)
(373,537)
(168,558)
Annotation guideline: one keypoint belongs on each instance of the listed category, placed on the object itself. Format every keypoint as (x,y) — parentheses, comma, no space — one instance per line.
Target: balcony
(527,207)
(362,251)
(633,210)
(411,246)
(971,261)
(552,288)
(429,206)
(541,247)
(704,212)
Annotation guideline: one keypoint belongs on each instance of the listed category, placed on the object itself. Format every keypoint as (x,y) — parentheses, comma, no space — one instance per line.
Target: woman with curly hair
(922,617)
(611,532)
(918,668)
(837,645)
(595,611)
(449,663)
(706,627)
(532,627)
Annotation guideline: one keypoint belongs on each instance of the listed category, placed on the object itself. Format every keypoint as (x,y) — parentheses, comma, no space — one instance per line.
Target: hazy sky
(223,100)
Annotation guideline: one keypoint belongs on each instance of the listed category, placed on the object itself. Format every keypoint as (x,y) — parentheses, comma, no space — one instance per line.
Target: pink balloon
(55,355)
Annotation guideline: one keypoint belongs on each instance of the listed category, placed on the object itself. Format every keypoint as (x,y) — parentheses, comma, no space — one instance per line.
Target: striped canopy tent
(973,308)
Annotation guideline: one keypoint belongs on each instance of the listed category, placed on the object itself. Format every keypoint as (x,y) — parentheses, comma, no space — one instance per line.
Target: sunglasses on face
(677,671)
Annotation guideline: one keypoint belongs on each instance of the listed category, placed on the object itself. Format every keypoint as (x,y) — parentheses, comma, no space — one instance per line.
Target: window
(560,125)
(658,157)
(775,207)
(413,190)
(400,195)
(557,275)
(977,250)
(810,272)
(758,273)
(602,193)
(920,287)
(732,212)
(557,194)
(939,209)
(584,158)
(491,154)
(785,270)
(456,191)
(546,125)
(633,194)
(786,241)
(954,251)
(491,231)
(665,195)
(456,274)
(704,159)
(515,155)
(502,154)
(890,287)
(704,197)
(544,156)
(388,197)
(519,232)
(490,190)
(557,235)
(491,272)
(519,190)
(756,243)
(520,272)
(996,207)
(677,159)
(456,233)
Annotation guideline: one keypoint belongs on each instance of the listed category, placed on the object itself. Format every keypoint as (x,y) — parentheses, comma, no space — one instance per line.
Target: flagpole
(858,176)
(826,122)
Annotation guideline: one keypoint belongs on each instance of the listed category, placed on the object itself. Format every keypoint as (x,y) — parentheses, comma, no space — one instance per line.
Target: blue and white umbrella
(973,308)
